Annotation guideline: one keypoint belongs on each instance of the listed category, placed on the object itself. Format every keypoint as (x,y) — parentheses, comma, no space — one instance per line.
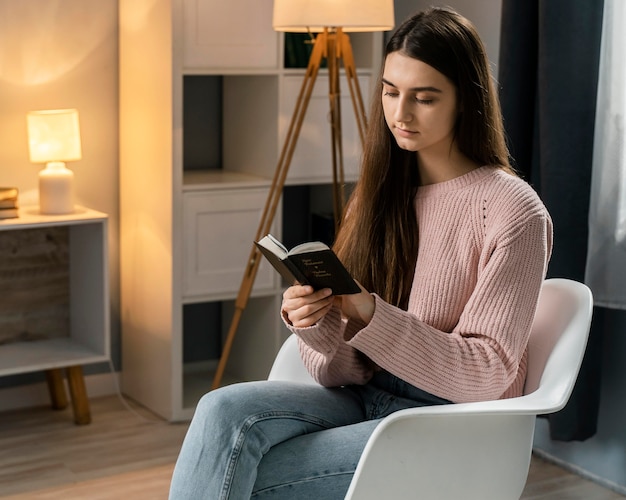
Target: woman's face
(420,105)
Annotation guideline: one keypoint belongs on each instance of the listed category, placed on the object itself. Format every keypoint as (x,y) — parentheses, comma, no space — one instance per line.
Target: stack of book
(8,202)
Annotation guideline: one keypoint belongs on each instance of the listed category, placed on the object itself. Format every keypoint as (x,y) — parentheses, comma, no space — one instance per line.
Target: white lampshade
(315,15)
(54,138)
(53,135)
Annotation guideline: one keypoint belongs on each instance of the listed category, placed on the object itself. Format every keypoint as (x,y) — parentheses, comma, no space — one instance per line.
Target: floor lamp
(331,20)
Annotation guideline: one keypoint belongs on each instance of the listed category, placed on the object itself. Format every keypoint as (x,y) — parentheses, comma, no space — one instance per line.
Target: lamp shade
(53,135)
(350,15)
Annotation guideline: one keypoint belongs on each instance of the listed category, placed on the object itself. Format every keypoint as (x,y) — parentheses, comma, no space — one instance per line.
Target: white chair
(472,450)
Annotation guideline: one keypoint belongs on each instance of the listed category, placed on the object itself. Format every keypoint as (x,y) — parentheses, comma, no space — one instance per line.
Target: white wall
(63,54)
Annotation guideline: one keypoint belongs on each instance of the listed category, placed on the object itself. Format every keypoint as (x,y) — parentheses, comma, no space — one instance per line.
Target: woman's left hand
(357,306)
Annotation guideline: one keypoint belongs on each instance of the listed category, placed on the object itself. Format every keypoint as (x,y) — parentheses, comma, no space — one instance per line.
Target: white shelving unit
(87,341)
(186,232)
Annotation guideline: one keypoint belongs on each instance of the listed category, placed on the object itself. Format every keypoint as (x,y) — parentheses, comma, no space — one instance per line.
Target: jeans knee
(216,405)
(230,404)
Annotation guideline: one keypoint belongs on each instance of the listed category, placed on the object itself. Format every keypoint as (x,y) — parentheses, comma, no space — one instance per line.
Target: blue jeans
(282,440)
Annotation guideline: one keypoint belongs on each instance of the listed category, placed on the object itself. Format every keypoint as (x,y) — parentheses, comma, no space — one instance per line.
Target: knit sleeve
(480,358)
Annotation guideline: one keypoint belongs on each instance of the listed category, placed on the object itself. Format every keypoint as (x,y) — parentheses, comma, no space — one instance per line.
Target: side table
(55,310)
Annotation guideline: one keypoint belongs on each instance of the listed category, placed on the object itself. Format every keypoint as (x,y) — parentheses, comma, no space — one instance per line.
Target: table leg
(56,388)
(80,402)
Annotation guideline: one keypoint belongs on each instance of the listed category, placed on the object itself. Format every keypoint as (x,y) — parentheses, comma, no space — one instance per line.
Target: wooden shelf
(40,355)
(203,180)
(30,216)
(80,263)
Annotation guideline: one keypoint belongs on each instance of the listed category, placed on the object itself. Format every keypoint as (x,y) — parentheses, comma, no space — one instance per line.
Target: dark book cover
(317,265)
(322,269)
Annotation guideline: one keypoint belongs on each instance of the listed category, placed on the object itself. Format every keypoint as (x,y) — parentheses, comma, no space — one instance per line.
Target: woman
(450,248)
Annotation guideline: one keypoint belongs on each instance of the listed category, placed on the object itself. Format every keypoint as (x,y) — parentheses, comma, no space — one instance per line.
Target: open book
(312,263)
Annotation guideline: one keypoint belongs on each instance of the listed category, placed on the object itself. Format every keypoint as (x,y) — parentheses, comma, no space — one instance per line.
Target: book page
(311,246)
(274,246)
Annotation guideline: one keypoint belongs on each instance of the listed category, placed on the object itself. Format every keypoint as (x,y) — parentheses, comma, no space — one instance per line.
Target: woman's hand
(304,307)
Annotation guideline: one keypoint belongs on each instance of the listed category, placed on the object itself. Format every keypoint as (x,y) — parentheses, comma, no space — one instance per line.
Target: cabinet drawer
(229,34)
(312,159)
(219,229)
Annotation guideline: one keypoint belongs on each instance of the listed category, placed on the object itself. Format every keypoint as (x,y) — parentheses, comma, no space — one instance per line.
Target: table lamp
(53,139)
(331,19)
(302,16)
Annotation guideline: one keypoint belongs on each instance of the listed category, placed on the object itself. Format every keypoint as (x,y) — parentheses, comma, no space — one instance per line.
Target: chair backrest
(558,339)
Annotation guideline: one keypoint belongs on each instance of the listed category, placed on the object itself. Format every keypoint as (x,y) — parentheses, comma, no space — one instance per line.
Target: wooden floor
(121,454)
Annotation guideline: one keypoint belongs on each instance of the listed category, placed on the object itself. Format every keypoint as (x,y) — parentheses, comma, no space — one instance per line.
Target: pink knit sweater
(485,241)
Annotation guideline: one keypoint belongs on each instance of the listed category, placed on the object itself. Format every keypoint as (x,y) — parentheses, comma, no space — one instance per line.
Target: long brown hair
(378,238)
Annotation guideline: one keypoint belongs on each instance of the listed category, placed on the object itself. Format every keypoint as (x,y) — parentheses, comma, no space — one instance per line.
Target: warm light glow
(44,41)
(54,138)
(53,135)
(315,15)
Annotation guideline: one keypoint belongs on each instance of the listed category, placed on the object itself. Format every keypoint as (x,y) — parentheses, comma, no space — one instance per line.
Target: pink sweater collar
(457,183)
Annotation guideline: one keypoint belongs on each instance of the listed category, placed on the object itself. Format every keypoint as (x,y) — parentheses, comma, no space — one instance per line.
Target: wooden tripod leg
(334,99)
(340,49)
(353,84)
(78,393)
(56,388)
(271,205)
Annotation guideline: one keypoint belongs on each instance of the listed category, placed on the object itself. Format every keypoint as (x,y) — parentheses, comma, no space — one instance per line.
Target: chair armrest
(288,364)
(446,452)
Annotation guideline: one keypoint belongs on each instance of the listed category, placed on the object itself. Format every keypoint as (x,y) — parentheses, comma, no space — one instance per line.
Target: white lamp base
(56,189)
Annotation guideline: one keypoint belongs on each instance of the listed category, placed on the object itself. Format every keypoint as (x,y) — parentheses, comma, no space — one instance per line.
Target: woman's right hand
(303,307)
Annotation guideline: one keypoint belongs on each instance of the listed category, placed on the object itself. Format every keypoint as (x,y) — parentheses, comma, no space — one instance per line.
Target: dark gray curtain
(548,74)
